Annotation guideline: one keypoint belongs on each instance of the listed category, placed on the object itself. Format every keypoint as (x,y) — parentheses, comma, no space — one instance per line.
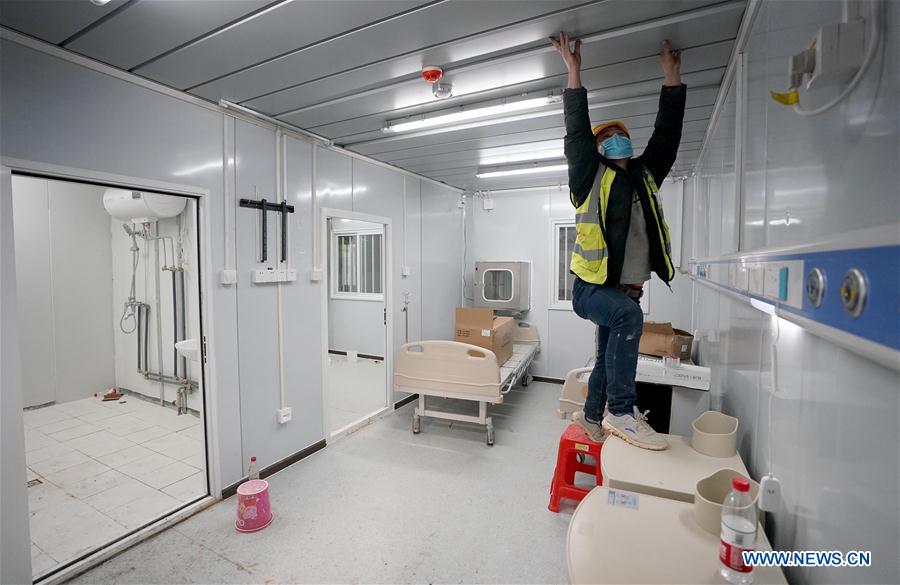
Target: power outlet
(284,415)
(263,275)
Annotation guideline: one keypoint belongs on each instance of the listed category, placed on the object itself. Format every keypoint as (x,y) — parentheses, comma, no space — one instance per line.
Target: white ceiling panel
(507,153)
(390,50)
(149,28)
(520,140)
(53,21)
(473,47)
(639,111)
(344,68)
(472,159)
(704,65)
(280,29)
(507,74)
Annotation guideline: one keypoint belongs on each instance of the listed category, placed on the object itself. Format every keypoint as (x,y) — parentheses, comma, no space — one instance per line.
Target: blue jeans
(620,322)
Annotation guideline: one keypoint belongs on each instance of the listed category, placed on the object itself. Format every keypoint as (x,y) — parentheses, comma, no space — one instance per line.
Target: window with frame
(563,234)
(356,265)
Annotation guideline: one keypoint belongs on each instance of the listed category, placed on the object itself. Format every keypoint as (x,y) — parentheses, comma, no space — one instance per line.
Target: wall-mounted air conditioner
(503,285)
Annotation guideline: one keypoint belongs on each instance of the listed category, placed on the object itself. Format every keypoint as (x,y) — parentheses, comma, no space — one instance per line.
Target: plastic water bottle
(254,469)
(738,533)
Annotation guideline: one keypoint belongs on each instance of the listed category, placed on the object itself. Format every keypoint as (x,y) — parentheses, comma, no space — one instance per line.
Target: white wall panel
(412,284)
(831,435)
(65,278)
(569,343)
(81,253)
(832,172)
(334,180)
(257,316)
(441,261)
(31,210)
(355,325)
(15,542)
(302,316)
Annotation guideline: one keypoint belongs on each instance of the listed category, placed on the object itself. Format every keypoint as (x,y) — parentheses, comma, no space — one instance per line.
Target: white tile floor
(105,468)
(356,389)
(385,506)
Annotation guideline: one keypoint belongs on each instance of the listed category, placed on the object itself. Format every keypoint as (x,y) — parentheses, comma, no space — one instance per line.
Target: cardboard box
(480,327)
(661,339)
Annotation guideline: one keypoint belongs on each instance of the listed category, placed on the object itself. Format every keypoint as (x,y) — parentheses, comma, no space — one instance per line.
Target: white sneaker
(635,430)
(593,429)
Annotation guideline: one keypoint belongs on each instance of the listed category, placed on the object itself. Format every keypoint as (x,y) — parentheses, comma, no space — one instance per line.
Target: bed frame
(450,369)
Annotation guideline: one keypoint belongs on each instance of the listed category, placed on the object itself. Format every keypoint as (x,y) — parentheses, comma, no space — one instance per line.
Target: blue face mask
(616,146)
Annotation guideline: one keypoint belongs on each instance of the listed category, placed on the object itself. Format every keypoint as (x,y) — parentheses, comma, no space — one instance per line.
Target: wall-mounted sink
(189,348)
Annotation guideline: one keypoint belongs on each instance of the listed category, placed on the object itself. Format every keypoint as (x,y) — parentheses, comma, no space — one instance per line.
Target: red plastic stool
(574,442)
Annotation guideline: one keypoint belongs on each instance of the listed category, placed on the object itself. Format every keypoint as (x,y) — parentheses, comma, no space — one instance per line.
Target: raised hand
(671,63)
(571,54)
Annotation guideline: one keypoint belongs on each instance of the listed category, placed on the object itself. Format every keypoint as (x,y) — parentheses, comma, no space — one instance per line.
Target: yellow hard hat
(600,128)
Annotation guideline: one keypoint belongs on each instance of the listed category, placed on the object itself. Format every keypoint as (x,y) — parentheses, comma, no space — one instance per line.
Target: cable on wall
(279,196)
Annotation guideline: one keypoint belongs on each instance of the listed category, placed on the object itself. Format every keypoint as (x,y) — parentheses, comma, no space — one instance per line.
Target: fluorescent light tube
(521,171)
(461,115)
(764,307)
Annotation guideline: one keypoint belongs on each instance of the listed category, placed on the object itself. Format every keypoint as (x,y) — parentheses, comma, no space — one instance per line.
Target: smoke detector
(442,90)
(432,73)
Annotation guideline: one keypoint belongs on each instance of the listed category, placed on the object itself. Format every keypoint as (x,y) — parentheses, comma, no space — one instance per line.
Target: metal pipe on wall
(159,343)
(174,326)
(146,337)
(164,379)
(280,188)
(182,328)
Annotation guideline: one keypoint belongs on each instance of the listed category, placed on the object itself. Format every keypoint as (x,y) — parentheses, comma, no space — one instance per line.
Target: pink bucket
(253,511)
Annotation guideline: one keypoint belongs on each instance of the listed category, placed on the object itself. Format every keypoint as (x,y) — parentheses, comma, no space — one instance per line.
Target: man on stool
(622,236)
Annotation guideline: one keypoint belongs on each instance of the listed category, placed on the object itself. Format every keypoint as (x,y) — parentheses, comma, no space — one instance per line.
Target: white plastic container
(710,494)
(715,434)
(738,533)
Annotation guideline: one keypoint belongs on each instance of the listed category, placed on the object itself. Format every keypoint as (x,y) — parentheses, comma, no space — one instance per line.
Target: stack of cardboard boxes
(480,327)
(661,339)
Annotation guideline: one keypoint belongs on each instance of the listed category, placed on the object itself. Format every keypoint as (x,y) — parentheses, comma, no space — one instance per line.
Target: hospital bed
(450,369)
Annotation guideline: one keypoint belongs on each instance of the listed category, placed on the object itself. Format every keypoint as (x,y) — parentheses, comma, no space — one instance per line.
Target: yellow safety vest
(590,258)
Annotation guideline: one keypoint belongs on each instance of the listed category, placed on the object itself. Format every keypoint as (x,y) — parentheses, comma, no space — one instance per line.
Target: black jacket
(659,156)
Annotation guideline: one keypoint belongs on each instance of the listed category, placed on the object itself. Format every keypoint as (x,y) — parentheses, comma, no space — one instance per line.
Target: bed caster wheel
(489,437)
(528,379)
(417,425)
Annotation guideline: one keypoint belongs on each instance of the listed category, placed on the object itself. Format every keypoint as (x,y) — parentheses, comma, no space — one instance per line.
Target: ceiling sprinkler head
(442,90)
(432,73)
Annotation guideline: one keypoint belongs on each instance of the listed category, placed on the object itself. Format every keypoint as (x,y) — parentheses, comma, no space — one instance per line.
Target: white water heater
(141,207)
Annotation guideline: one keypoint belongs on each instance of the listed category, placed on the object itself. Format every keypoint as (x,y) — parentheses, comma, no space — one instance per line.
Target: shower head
(128,229)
